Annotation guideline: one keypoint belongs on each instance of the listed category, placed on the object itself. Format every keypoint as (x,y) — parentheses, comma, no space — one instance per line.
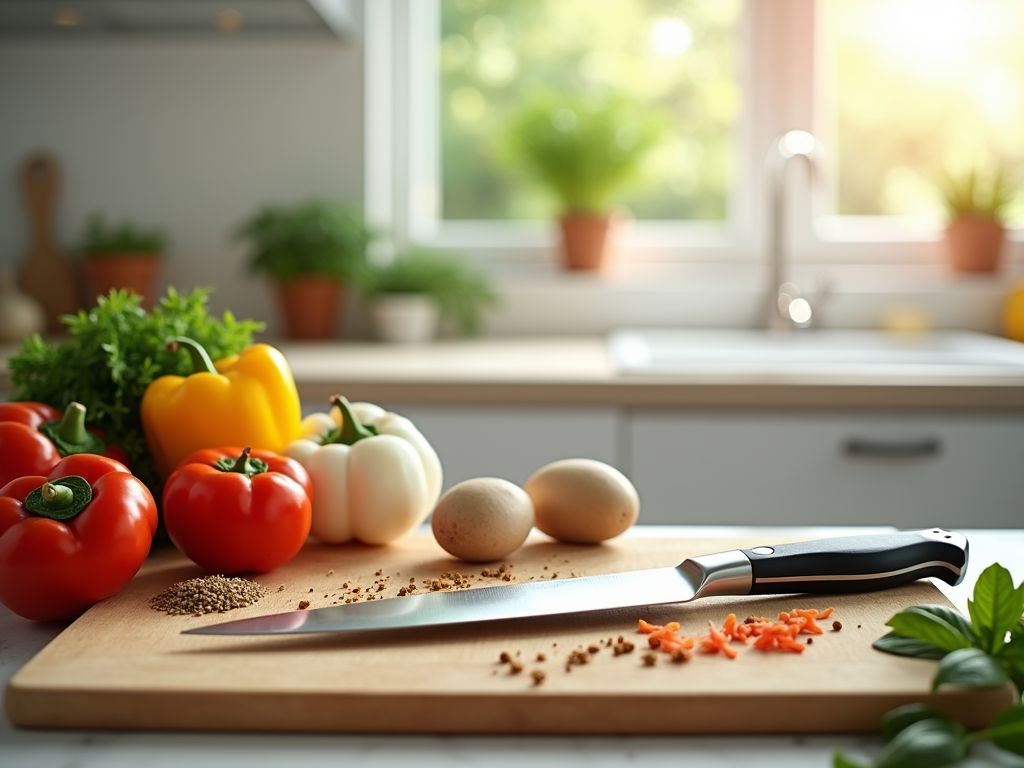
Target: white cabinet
(757,468)
(793,468)
(512,442)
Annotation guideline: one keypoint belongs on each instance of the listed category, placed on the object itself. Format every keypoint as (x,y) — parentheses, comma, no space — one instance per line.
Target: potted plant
(975,204)
(312,251)
(418,289)
(121,256)
(585,150)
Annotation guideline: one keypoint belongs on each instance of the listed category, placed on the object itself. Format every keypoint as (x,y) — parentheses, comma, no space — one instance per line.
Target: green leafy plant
(976,193)
(101,237)
(461,291)
(584,149)
(114,351)
(983,652)
(317,237)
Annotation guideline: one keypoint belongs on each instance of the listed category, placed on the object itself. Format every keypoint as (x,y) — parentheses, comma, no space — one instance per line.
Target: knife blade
(837,565)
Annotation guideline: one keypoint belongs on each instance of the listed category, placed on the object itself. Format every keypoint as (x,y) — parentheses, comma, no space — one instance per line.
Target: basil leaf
(934,624)
(969,668)
(996,607)
(840,760)
(1007,729)
(925,744)
(901,718)
(1015,669)
(905,646)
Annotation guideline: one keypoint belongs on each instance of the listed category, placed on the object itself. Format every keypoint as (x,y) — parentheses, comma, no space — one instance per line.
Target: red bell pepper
(73,537)
(226,455)
(34,437)
(236,515)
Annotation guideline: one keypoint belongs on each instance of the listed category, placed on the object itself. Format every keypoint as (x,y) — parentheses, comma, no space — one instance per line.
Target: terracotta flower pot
(974,243)
(135,272)
(311,306)
(586,240)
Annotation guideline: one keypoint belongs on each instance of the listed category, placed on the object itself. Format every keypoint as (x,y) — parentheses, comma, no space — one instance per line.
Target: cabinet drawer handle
(857,446)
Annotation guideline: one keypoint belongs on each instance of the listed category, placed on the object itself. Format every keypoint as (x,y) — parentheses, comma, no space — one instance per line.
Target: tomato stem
(201,362)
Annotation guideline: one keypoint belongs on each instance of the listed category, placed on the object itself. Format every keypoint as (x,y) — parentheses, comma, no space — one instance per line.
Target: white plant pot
(405,318)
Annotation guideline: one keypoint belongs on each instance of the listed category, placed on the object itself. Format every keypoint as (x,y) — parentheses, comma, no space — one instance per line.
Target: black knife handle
(858,563)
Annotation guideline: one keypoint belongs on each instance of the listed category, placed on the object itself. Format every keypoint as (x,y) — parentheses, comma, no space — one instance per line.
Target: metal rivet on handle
(762,550)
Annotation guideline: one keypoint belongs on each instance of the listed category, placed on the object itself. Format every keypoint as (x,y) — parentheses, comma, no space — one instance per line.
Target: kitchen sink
(680,351)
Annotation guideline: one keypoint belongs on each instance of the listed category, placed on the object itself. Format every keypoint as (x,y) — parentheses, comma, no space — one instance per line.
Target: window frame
(782,89)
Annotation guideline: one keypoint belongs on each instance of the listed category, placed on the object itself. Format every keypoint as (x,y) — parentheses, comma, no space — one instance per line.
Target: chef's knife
(843,564)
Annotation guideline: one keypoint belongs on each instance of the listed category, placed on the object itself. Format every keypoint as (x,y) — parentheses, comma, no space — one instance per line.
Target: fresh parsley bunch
(114,352)
(985,651)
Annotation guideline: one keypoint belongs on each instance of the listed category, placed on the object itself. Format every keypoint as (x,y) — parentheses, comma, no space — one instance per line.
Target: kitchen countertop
(578,371)
(21,639)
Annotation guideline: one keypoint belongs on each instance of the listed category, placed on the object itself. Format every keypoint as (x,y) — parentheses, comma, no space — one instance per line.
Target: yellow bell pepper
(247,399)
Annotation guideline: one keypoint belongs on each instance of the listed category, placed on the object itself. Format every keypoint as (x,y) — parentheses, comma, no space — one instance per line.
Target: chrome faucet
(785,306)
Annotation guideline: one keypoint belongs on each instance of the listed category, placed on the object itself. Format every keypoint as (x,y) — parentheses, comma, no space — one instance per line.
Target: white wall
(189,135)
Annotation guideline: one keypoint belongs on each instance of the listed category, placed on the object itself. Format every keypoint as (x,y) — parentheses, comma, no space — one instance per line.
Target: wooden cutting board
(124,665)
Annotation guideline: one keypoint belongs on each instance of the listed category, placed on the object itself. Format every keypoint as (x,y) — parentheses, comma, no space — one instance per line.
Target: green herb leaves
(970,667)
(996,608)
(935,625)
(921,737)
(984,652)
(114,352)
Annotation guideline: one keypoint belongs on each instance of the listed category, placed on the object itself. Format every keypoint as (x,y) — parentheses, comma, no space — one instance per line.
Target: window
(680,58)
(891,87)
(917,86)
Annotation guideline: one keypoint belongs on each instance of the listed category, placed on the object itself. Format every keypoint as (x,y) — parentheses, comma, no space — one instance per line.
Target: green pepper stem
(57,496)
(201,362)
(352,430)
(69,434)
(72,426)
(60,499)
(243,464)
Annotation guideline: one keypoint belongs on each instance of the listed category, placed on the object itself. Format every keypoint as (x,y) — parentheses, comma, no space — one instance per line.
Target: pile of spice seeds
(208,594)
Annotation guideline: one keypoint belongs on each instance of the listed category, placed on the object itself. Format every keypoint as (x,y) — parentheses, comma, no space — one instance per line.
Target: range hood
(79,19)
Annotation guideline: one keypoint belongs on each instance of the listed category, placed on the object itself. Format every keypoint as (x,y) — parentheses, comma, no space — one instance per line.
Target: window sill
(543,300)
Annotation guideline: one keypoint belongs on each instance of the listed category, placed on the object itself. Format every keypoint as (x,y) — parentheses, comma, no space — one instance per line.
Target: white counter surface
(21,639)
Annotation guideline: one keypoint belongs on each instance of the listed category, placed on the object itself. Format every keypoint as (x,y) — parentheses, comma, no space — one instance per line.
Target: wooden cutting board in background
(123,665)
(46,274)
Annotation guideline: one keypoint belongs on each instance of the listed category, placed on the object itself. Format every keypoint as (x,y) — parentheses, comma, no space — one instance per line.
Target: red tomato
(28,451)
(55,569)
(275,463)
(232,521)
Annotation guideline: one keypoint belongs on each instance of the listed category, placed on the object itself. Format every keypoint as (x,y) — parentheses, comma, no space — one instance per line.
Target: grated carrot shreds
(717,642)
(768,635)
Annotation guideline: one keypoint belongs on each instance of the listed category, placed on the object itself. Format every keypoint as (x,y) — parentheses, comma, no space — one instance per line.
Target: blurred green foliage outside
(678,55)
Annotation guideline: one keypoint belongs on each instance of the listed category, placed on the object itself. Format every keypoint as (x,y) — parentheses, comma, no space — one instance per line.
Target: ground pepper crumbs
(836,626)
(538,676)
(650,659)
(303,605)
(208,594)
(448,580)
(503,572)
(280,587)
(622,645)
(541,657)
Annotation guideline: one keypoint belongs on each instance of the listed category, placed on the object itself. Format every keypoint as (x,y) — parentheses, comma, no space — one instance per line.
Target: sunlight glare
(671,37)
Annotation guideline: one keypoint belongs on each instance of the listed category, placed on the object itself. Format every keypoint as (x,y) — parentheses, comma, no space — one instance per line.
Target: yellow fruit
(1013,314)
